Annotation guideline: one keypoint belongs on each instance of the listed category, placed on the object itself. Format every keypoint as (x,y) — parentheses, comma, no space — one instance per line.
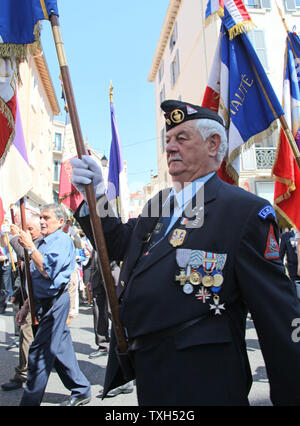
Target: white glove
(86,171)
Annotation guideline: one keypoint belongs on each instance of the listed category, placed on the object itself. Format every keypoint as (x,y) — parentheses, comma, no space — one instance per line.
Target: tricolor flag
(15,172)
(234,14)
(285,169)
(213,8)
(116,189)
(18,30)
(238,90)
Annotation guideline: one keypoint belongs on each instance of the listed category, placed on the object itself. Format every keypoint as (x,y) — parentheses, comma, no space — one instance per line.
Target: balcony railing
(265,157)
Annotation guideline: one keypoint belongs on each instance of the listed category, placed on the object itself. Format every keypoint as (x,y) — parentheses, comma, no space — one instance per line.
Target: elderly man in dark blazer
(188,280)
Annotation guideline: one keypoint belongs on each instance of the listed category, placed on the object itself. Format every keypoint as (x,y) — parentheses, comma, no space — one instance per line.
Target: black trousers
(101,317)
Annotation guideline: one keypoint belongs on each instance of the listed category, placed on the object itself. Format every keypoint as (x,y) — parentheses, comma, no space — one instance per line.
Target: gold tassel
(213,16)
(235,153)
(285,216)
(20,51)
(242,27)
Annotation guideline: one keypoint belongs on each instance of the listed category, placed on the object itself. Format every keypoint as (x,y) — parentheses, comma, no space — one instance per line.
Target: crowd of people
(187,278)
(70,262)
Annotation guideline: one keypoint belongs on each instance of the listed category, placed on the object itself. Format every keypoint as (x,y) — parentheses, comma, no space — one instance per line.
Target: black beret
(177,112)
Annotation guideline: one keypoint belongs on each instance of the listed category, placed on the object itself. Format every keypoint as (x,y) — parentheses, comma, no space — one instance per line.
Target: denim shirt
(59,258)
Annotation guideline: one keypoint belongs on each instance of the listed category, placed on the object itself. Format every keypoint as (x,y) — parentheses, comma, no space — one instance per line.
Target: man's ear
(214,145)
(61,222)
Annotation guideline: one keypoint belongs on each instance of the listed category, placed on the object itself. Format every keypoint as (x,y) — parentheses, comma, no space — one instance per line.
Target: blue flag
(251,94)
(18,19)
(115,163)
(240,91)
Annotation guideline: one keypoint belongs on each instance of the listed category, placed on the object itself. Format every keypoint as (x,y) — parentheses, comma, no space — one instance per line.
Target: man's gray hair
(33,218)
(58,209)
(206,128)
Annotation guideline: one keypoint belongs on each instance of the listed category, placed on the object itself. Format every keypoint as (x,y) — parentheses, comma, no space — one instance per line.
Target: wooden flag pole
(13,221)
(90,195)
(27,267)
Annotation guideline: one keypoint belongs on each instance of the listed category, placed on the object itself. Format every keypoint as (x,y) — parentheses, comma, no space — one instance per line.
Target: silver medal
(188,288)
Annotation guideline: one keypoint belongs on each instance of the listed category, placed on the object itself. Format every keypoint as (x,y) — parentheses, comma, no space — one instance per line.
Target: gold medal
(182,278)
(195,278)
(208,281)
(218,280)
(177,237)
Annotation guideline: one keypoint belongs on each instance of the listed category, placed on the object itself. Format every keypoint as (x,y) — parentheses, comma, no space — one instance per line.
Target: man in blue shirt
(52,263)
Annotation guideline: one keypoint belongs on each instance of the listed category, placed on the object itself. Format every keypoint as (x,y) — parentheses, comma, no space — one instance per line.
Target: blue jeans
(52,346)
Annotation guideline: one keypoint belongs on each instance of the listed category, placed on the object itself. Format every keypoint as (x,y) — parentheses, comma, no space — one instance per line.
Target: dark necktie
(162,224)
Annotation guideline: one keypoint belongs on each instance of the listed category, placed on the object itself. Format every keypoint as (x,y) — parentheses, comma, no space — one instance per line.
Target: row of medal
(201,270)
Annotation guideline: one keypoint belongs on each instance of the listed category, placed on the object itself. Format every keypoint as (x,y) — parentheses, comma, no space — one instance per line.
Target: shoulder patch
(272,247)
(266,211)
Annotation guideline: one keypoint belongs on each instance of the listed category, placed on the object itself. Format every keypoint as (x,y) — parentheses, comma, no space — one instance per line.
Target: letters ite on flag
(238,89)
(285,169)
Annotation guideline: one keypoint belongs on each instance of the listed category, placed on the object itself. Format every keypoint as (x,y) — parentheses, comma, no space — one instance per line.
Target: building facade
(38,106)
(182,63)
(64,148)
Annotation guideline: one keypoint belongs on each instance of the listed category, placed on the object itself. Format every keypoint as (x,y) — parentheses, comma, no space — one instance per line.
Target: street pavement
(94,369)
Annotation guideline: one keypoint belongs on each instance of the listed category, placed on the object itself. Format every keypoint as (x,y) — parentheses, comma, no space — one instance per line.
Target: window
(257,38)
(258,4)
(255,4)
(34,92)
(57,142)
(55,196)
(173,38)
(161,72)
(32,154)
(163,139)
(56,170)
(175,69)
(291,5)
(265,190)
(162,94)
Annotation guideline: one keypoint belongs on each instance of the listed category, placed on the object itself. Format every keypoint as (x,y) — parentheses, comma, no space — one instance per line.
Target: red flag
(68,194)
(287,185)
(285,169)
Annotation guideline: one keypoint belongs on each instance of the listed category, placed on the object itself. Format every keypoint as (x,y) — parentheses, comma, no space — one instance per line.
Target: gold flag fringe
(69,194)
(20,51)
(285,216)
(11,123)
(245,146)
(242,27)
(213,16)
(232,173)
(288,182)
